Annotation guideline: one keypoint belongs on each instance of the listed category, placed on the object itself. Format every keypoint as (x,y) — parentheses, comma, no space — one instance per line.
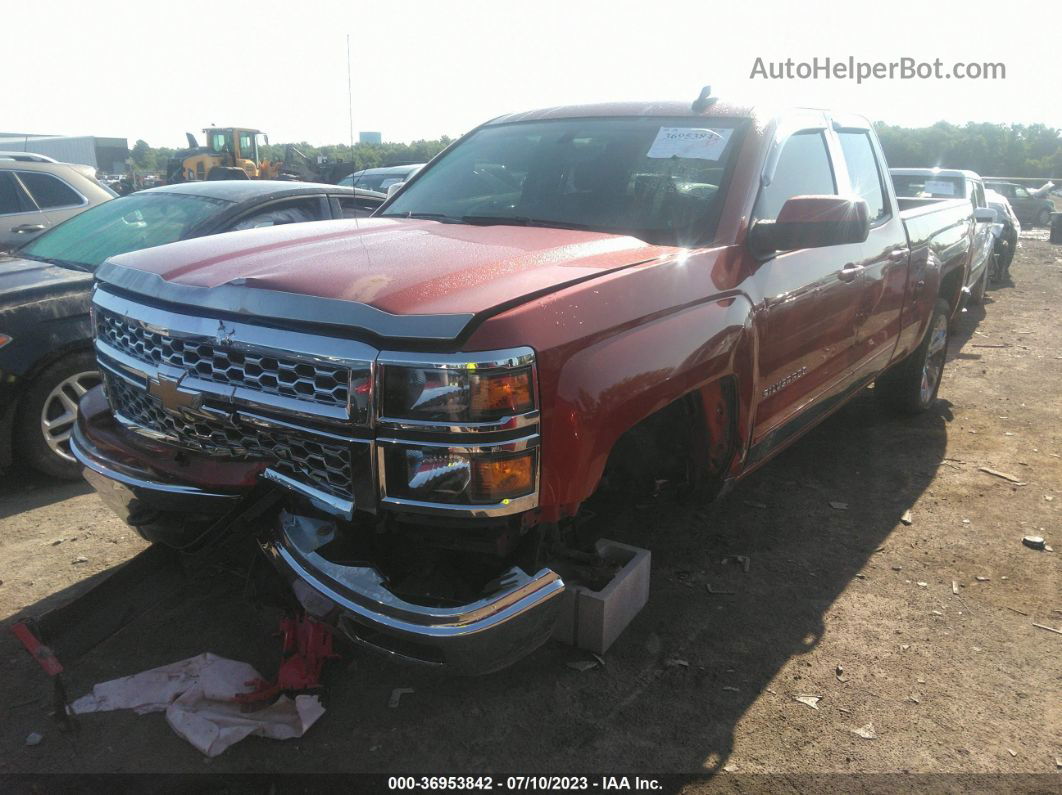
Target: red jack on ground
(46,659)
(307,646)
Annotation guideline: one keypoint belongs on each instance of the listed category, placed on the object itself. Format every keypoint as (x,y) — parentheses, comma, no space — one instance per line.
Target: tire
(995,276)
(1008,256)
(48,411)
(225,172)
(1044,218)
(977,294)
(911,386)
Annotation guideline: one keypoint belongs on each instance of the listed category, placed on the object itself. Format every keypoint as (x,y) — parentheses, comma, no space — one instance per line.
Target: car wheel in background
(1008,255)
(977,294)
(1044,218)
(48,412)
(911,386)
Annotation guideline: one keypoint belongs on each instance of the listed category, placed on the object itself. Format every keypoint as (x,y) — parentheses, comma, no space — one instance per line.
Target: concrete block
(592,620)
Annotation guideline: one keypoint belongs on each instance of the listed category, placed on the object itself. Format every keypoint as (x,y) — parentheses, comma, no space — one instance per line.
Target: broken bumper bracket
(483,636)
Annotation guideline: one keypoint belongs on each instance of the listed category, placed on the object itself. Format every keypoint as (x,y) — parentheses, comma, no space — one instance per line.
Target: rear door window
(295,211)
(979,195)
(357,206)
(50,192)
(864,172)
(12,198)
(803,170)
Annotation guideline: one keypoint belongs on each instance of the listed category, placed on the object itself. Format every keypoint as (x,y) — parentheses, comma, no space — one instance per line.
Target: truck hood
(25,280)
(399,268)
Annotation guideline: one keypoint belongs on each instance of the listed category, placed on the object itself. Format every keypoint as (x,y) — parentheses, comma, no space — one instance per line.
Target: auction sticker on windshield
(690,142)
(940,187)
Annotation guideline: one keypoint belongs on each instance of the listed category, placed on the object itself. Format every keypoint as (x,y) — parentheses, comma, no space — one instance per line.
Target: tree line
(992,150)
(149,159)
(1005,150)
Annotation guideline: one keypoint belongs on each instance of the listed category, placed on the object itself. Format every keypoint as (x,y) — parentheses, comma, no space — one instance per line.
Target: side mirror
(394,188)
(985,215)
(811,222)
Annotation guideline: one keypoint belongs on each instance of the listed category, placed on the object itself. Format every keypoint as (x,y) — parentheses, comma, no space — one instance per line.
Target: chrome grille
(319,462)
(276,375)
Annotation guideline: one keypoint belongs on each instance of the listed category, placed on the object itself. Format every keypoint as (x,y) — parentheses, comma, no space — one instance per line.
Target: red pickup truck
(561,294)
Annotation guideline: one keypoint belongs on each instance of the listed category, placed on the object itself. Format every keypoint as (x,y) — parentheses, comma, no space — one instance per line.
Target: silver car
(380,179)
(37,195)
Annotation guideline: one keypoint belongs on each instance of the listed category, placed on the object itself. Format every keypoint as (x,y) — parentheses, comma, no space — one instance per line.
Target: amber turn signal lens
(504,392)
(499,479)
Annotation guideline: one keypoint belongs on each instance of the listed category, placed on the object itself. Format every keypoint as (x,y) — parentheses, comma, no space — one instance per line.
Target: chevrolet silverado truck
(560,297)
(917,186)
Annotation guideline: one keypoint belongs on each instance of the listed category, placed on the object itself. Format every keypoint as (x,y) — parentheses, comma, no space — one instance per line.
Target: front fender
(43,331)
(605,389)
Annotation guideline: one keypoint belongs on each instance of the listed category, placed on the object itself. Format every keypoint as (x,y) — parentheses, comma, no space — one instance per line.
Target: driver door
(811,298)
(247,153)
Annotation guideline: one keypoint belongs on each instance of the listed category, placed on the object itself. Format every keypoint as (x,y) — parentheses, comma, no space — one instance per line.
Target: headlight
(456,395)
(464,409)
(444,475)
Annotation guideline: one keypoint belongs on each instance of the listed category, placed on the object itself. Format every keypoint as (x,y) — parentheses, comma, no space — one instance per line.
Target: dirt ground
(851,606)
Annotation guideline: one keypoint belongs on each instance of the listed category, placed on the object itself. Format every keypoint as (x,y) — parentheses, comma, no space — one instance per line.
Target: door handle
(22,229)
(897,254)
(849,272)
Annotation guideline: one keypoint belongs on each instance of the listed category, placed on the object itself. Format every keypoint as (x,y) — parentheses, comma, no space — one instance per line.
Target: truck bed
(926,218)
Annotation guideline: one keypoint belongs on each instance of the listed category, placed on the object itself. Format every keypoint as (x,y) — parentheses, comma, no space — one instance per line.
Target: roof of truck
(627,109)
(936,172)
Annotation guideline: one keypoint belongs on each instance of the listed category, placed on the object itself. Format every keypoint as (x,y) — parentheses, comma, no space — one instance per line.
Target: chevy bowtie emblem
(168,391)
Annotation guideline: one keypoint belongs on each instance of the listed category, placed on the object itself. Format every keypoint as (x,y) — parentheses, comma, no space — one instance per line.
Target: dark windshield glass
(134,222)
(377,181)
(659,179)
(928,186)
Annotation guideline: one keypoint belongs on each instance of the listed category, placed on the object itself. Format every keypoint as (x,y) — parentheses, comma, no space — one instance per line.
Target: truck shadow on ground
(674,685)
(23,489)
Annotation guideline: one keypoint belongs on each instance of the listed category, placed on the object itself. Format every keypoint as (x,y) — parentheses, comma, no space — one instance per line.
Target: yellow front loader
(229,153)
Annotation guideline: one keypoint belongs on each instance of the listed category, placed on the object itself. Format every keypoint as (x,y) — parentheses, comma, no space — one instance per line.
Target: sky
(154,70)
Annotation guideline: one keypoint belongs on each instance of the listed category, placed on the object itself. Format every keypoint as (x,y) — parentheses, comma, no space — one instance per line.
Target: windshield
(376,182)
(660,179)
(141,220)
(928,186)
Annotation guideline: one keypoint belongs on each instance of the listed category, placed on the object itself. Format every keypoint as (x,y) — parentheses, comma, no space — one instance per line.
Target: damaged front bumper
(162,507)
(483,636)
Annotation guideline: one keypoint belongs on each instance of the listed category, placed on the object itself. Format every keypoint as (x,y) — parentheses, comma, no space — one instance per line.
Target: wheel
(911,386)
(1008,255)
(995,275)
(225,172)
(977,294)
(1044,218)
(48,411)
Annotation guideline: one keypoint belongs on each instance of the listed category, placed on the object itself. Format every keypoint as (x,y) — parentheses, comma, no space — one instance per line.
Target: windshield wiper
(62,263)
(521,220)
(441,217)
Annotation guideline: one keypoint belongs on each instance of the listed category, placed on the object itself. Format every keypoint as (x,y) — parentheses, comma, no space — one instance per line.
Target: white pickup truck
(916,186)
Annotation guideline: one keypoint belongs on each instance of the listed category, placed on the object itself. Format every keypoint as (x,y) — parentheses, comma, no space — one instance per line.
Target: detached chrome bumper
(476,638)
